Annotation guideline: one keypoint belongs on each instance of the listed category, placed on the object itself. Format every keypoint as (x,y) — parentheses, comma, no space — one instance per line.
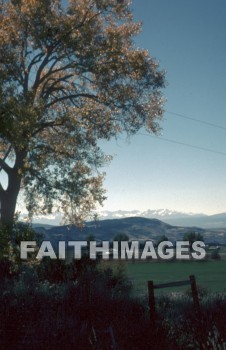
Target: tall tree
(68,78)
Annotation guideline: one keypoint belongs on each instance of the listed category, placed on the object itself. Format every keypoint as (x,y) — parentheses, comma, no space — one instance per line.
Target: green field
(209,274)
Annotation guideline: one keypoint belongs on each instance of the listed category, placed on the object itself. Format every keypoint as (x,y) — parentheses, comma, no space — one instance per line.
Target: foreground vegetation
(91,305)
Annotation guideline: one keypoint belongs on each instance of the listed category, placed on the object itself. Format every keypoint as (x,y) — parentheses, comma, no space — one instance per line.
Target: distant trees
(120,237)
(162,239)
(90,237)
(68,78)
(192,237)
(215,255)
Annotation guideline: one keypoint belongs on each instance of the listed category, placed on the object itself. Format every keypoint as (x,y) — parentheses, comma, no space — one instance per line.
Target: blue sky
(188,39)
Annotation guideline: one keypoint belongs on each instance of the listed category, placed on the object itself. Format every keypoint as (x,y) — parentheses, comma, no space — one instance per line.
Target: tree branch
(2,161)
(52,88)
(35,60)
(69,97)
(45,125)
(5,167)
(51,71)
(1,189)
(41,67)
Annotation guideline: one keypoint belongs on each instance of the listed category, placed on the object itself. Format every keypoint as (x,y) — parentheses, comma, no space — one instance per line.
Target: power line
(197,120)
(185,144)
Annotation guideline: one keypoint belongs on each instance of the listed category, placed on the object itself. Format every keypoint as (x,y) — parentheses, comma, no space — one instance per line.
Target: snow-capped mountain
(161,214)
(171,217)
(54,219)
(166,215)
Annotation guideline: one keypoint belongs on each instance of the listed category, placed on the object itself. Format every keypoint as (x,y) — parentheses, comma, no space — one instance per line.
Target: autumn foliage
(69,76)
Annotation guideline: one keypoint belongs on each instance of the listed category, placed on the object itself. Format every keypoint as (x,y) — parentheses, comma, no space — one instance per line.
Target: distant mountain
(53,219)
(162,214)
(205,221)
(149,213)
(172,217)
(168,216)
(137,228)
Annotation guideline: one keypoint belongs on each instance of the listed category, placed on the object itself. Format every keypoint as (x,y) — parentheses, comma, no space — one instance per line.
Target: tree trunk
(8,197)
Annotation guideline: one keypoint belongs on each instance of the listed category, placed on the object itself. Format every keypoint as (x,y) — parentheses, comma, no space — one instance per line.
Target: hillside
(137,228)
(170,217)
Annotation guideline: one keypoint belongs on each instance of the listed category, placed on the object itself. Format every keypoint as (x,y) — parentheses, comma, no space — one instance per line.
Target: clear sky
(188,38)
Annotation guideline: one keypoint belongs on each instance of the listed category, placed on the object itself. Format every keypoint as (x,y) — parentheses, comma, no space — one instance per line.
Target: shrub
(10,238)
(192,329)
(215,255)
(88,305)
(6,269)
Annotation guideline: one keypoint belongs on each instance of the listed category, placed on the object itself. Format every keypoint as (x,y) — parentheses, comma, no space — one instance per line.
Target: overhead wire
(184,144)
(188,144)
(196,120)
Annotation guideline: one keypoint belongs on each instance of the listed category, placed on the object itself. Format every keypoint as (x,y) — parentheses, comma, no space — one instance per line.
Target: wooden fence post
(151,295)
(194,293)
(151,303)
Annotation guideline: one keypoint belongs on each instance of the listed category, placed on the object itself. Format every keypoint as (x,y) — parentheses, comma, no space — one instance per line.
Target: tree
(90,237)
(192,237)
(68,78)
(121,237)
(162,239)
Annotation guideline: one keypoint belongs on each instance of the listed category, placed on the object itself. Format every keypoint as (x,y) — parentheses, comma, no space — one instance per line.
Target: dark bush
(88,305)
(6,269)
(215,255)
(10,238)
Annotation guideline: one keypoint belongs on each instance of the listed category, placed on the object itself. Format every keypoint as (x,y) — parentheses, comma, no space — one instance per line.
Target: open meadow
(209,274)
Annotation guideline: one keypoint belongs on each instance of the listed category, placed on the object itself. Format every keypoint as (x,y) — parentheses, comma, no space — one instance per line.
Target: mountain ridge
(137,228)
(169,216)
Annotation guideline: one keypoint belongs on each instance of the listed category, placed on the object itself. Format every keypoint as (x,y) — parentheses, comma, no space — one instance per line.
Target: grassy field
(209,274)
